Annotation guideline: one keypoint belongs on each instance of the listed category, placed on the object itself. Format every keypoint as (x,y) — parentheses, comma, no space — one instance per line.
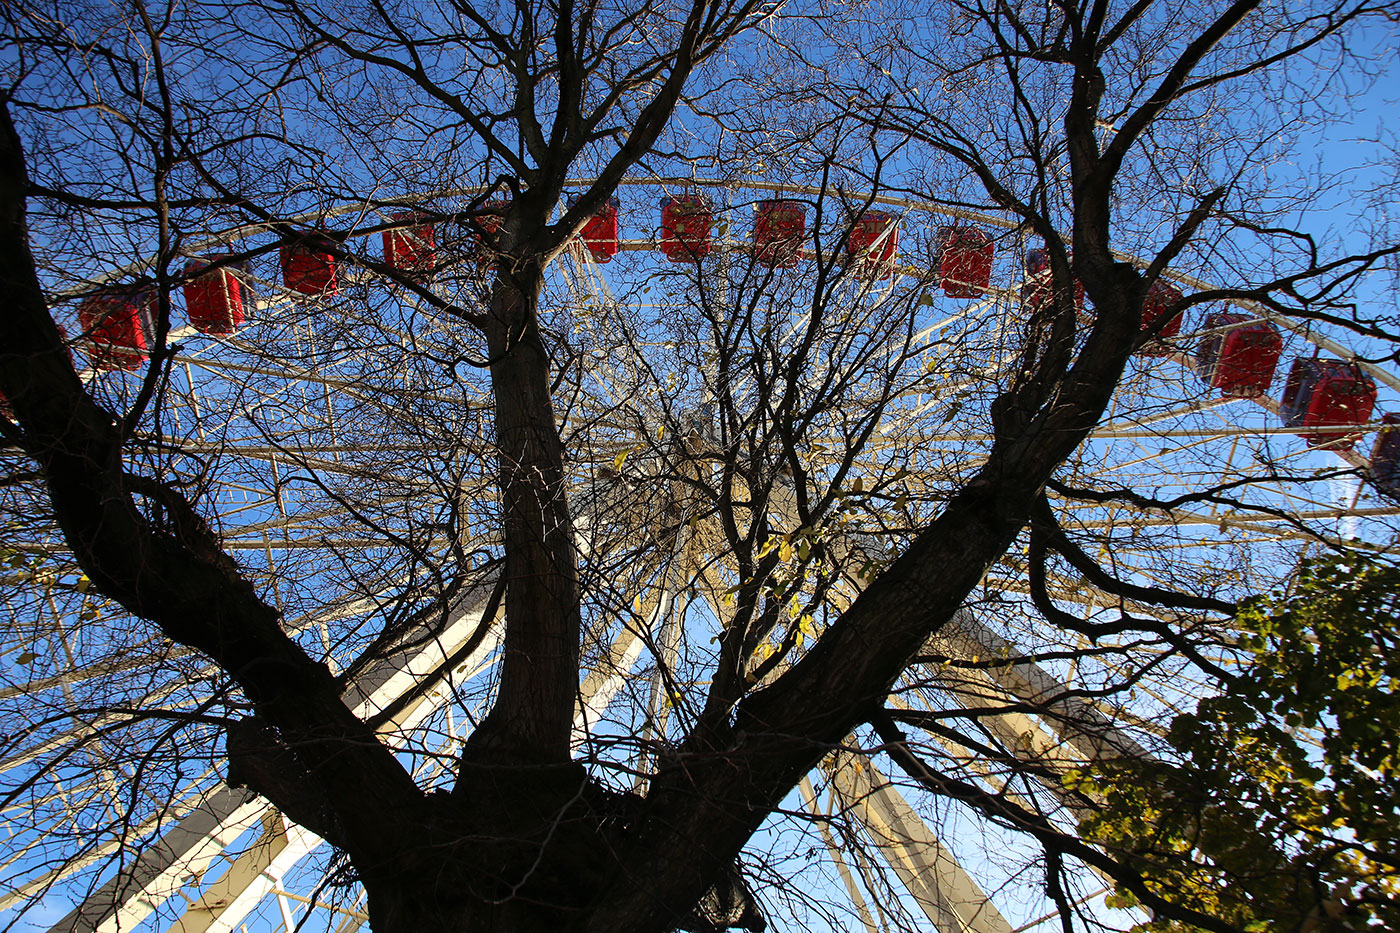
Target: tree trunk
(531,719)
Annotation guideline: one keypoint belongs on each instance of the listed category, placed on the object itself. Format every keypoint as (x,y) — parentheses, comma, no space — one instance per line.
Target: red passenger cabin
(411,248)
(120,327)
(213,297)
(778,231)
(1327,394)
(1238,355)
(1037,262)
(686,224)
(600,233)
(309,267)
(1037,290)
(1161,300)
(964,261)
(873,242)
(1385,456)
(489,222)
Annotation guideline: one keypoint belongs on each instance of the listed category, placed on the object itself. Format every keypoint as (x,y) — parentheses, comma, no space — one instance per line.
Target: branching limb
(1008,814)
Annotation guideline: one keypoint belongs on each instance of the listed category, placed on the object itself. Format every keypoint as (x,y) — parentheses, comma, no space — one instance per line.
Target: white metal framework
(342,443)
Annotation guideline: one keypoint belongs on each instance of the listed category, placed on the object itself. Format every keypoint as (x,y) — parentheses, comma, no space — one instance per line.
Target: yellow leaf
(617,461)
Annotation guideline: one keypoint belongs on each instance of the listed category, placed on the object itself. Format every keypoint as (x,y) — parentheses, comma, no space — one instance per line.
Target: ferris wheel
(331,414)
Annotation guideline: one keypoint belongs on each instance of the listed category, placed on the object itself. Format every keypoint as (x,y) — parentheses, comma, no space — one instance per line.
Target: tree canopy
(1287,783)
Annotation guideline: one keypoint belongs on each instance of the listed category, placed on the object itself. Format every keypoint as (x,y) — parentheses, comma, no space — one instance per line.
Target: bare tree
(473,437)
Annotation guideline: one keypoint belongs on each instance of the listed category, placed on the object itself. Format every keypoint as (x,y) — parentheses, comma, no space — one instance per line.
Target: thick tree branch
(1046,833)
(175,576)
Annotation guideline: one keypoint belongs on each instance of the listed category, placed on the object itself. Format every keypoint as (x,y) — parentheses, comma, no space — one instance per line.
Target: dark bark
(530,721)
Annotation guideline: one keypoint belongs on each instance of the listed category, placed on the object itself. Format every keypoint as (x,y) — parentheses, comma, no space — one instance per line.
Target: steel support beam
(944,891)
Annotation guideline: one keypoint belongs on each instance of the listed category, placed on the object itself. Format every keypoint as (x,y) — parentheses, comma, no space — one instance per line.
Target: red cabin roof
(686,225)
(214,298)
(779,228)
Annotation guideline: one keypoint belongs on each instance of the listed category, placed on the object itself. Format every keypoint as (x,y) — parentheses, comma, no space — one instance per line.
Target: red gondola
(1385,456)
(1160,301)
(1240,358)
(686,224)
(873,242)
(964,261)
(411,248)
(1327,394)
(489,222)
(1037,261)
(600,233)
(1036,292)
(778,231)
(213,298)
(308,266)
(120,328)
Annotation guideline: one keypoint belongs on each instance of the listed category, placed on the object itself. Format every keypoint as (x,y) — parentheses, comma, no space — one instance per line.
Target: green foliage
(1283,810)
